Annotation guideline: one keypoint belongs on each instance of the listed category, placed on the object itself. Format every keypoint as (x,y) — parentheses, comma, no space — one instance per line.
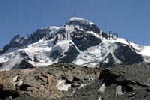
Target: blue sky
(129,18)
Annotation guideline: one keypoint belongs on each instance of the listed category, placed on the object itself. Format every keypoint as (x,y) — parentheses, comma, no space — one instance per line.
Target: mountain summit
(79,41)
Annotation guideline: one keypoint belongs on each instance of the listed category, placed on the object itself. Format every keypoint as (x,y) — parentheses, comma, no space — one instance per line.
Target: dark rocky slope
(84,83)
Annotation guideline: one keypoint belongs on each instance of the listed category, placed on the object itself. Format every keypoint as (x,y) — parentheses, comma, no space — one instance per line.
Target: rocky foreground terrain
(72,82)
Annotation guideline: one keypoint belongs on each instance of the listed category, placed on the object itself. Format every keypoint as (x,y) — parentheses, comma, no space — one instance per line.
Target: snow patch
(100,98)
(102,88)
(62,86)
(119,90)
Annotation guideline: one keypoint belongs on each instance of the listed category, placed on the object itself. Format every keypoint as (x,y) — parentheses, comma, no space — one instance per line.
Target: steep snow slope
(106,52)
(145,51)
(93,56)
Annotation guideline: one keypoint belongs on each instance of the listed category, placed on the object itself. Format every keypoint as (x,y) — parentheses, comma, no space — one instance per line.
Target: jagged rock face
(15,43)
(39,34)
(70,55)
(80,35)
(110,60)
(19,42)
(64,54)
(23,65)
(84,24)
(117,52)
(61,31)
(127,55)
(85,41)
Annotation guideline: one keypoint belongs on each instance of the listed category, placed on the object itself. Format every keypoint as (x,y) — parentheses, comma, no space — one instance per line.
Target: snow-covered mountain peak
(83,24)
(81,20)
(79,41)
